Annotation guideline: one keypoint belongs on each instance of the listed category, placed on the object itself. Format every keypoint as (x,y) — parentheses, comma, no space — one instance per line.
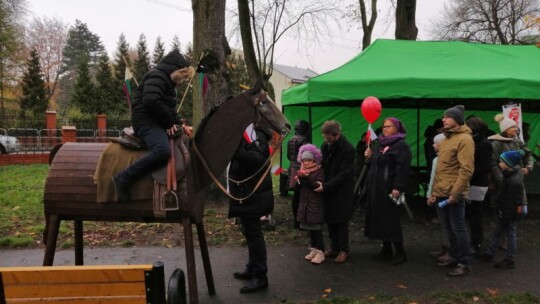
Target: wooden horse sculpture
(70,191)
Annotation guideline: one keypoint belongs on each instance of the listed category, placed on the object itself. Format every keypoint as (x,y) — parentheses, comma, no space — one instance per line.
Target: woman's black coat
(338,187)
(154,100)
(388,171)
(248,159)
(482,160)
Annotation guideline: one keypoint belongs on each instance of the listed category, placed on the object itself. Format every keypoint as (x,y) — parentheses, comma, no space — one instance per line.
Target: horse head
(221,131)
(267,113)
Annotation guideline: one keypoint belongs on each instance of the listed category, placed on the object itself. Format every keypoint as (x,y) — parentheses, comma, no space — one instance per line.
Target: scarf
(389,140)
(307,169)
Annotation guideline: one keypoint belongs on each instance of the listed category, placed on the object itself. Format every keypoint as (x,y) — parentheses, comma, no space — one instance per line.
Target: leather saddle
(130,141)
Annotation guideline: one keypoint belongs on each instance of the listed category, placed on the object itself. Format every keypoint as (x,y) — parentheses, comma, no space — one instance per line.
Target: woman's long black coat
(338,187)
(388,171)
(249,158)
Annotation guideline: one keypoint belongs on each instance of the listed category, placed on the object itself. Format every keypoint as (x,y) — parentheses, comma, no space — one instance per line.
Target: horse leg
(52,237)
(78,227)
(47,227)
(206,258)
(190,261)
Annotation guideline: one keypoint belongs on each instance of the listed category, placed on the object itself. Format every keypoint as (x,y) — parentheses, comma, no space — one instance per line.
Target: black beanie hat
(172,62)
(457,113)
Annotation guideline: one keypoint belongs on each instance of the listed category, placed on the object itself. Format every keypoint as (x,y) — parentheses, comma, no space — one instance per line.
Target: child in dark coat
(510,208)
(311,206)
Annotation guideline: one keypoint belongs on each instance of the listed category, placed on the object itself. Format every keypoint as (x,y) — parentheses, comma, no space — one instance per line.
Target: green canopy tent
(416,81)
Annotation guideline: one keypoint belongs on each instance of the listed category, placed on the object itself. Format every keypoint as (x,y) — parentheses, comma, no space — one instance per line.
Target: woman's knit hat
(505,123)
(309,151)
(439,138)
(512,158)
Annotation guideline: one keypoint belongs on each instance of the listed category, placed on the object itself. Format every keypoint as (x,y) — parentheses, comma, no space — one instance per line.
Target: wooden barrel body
(70,192)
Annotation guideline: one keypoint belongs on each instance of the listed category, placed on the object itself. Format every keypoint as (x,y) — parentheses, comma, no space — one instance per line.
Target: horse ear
(257,87)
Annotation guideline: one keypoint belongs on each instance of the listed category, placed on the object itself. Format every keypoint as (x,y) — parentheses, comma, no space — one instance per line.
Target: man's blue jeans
(157,141)
(457,231)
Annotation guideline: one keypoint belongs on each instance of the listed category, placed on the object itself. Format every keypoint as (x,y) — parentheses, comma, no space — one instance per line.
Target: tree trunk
(406,20)
(367,27)
(247,41)
(209,40)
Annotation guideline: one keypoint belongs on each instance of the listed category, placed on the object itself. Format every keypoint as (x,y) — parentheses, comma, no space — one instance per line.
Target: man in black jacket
(338,188)
(154,118)
(247,160)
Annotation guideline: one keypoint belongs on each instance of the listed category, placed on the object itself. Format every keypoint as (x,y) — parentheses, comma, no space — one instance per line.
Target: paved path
(292,278)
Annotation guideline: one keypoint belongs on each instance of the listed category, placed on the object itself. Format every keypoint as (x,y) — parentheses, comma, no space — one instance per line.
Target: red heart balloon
(371,109)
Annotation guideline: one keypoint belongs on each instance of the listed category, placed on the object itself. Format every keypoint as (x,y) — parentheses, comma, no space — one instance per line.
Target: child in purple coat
(311,207)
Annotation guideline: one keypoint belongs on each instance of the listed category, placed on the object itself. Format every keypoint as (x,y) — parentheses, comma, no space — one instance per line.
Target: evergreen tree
(83,93)
(175,45)
(159,51)
(142,63)
(120,58)
(34,97)
(106,96)
(186,111)
(81,42)
(238,73)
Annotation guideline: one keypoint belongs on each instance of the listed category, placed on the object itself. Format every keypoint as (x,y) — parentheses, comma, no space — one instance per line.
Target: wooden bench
(116,284)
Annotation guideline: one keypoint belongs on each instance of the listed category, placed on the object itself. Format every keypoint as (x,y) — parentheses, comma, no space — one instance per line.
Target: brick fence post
(69,134)
(50,125)
(101,125)
(50,120)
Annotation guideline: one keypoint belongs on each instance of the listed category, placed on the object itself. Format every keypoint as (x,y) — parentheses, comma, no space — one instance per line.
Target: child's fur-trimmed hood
(311,148)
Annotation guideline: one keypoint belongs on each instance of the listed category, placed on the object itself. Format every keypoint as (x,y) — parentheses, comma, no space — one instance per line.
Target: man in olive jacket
(338,187)
(455,166)
(154,118)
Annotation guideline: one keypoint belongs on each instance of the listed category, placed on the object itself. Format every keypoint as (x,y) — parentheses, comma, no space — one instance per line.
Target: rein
(220,185)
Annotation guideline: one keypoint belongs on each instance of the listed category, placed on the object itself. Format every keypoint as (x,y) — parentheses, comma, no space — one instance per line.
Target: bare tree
(488,21)
(270,20)
(360,13)
(48,37)
(406,20)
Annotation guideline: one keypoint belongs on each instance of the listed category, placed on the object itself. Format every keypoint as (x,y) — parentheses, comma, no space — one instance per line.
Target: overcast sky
(166,18)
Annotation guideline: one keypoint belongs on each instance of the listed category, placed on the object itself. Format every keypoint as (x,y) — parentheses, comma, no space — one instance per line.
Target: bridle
(275,147)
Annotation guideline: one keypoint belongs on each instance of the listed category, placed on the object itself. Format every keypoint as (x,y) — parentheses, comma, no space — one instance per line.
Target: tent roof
(392,69)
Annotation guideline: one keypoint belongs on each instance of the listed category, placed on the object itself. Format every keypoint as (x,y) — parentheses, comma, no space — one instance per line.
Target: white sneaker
(311,254)
(318,258)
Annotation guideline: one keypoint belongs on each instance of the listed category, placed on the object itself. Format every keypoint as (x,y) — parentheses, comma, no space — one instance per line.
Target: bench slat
(74,290)
(87,300)
(102,284)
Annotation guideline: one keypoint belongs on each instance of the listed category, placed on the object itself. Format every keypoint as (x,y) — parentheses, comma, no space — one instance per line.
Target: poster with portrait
(513,111)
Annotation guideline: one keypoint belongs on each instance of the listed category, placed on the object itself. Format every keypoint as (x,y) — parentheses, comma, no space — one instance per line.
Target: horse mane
(219,134)
(208,116)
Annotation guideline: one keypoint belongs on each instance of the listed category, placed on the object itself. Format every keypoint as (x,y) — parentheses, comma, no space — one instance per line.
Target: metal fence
(39,141)
(13,121)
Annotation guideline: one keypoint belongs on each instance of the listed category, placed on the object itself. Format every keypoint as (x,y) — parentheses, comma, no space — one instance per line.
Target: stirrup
(169,198)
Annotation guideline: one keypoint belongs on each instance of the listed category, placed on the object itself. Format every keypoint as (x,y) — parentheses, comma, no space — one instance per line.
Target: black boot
(246,274)
(121,185)
(385,253)
(400,257)
(256,284)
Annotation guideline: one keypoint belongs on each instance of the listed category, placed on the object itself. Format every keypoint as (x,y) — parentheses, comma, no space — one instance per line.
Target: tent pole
(417,133)
(310,123)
